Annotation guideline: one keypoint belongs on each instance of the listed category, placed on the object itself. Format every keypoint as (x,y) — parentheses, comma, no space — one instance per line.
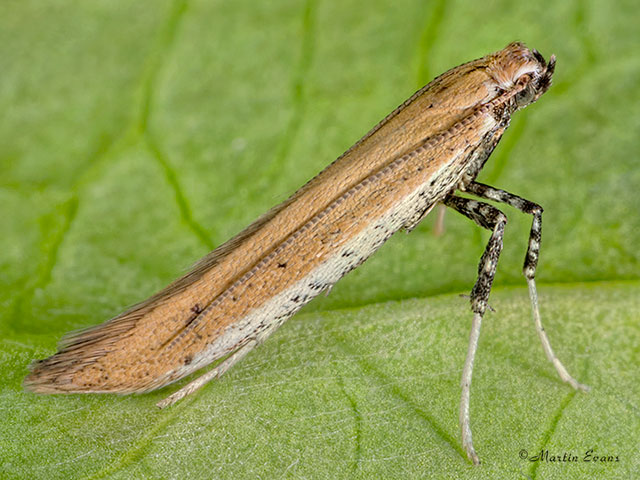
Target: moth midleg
(491,218)
(530,264)
(212,374)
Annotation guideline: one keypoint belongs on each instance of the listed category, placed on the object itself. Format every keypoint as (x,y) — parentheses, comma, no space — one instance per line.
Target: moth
(424,152)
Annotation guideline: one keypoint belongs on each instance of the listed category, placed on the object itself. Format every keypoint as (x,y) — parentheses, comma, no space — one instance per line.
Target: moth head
(520,69)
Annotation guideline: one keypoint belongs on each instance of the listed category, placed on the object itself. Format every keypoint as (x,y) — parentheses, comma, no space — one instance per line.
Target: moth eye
(525,97)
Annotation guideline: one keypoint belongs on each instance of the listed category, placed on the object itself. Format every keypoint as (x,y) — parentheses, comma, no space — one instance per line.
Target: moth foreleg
(530,264)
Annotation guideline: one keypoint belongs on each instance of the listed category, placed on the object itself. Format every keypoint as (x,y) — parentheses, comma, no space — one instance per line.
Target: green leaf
(135,137)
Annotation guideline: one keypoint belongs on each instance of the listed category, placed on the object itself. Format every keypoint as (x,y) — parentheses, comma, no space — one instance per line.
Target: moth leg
(492,219)
(438,226)
(530,264)
(417,218)
(202,380)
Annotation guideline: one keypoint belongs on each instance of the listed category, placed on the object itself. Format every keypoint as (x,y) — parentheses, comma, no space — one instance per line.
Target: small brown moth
(417,157)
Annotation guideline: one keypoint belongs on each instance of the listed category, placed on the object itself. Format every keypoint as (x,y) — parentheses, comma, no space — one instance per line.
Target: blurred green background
(137,136)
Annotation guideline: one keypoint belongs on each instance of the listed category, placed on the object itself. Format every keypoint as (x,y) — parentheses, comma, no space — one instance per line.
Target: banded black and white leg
(530,264)
(489,217)
(493,219)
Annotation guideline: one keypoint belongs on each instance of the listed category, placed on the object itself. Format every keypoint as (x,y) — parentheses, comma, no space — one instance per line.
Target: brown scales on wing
(125,354)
